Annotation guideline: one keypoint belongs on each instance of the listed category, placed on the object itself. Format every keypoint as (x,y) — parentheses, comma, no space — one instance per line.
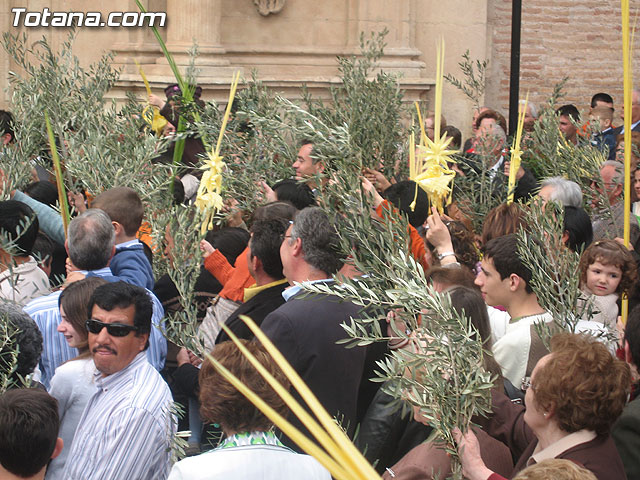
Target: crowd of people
(97,344)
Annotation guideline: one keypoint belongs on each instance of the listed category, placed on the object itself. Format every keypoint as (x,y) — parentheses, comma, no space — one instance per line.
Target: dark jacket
(306,330)
(430,460)
(193,145)
(257,307)
(525,188)
(611,137)
(618,130)
(387,433)
(626,435)
(206,289)
(132,266)
(606,141)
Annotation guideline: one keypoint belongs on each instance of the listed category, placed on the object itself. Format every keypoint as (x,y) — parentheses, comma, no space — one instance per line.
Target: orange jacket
(416,243)
(233,279)
(144,235)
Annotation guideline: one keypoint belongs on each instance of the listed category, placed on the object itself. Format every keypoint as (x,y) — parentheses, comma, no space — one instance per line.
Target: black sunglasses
(114,329)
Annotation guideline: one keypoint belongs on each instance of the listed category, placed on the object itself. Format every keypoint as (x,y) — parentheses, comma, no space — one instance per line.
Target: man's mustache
(103,347)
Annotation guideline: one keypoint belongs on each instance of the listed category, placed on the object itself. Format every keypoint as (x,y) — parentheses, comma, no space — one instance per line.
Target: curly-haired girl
(607,270)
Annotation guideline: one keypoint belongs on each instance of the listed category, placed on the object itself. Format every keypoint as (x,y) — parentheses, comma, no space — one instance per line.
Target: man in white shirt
(126,428)
(504,281)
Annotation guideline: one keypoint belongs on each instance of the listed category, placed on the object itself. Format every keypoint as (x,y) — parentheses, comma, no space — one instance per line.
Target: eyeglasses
(114,329)
(284,235)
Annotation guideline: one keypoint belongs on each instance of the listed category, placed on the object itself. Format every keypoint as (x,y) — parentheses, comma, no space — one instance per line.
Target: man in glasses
(306,328)
(126,428)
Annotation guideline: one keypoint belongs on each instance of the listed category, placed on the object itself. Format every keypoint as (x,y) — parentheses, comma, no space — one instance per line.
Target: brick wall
(582,40)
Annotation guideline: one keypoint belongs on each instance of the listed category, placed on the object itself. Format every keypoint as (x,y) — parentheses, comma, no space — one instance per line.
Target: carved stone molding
(218,88)
(265,7)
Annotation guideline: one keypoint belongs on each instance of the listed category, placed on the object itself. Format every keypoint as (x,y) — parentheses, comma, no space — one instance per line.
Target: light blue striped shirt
(126,429)
(56,351)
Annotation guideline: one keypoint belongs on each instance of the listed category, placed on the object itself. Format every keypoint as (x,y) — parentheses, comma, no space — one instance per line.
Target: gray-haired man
(306,328)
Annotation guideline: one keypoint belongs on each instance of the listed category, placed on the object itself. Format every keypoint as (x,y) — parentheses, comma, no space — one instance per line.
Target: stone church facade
(294,42)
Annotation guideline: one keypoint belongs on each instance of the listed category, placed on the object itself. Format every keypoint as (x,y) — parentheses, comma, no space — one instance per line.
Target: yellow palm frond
(208,199)
(338,454)
(516,153)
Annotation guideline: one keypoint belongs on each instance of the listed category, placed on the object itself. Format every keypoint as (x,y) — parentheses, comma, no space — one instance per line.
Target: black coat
(626,434)
(257,307)
(306,330)
(525,188)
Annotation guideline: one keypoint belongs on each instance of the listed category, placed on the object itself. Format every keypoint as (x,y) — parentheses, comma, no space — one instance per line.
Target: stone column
(187,20)
(199,20)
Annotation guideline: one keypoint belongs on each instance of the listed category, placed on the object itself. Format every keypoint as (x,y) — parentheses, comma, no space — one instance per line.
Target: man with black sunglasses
(126,428)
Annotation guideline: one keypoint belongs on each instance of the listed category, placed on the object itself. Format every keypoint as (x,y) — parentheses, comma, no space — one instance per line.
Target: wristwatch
(445,254)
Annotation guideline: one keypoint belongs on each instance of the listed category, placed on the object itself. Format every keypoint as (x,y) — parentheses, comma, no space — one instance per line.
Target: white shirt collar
(135,241)
(293,290)
(562,445)
(633,125)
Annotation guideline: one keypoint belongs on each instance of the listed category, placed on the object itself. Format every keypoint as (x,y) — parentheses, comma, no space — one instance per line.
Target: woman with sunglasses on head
(72,384)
